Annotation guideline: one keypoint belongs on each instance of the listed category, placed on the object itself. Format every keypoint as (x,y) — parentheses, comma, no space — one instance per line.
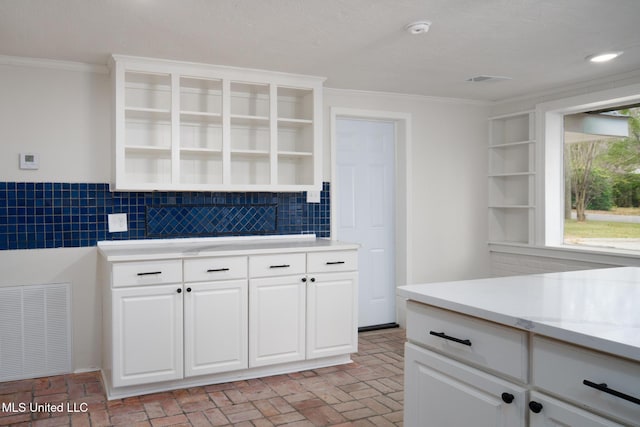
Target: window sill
(615,257)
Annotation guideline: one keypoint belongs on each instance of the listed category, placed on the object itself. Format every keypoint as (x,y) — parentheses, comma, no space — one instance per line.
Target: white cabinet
(307,315)
(249,312)
(458,369)
(442,392)
(215,315)
(332,304)
(147,334)
(511,178)
(276,320)
(187,126)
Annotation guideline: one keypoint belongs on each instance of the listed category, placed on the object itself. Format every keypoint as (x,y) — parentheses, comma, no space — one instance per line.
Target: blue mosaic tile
(53,215)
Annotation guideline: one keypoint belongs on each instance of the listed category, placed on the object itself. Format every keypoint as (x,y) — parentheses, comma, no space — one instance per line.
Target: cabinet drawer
(215,268)
(147,273)
(485,344)
(557,413)
(321,262)
(277,265)
(562,368)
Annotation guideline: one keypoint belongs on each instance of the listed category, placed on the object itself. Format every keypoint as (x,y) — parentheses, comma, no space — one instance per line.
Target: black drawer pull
(334,262)
(447,337)
(603,387)
(280,266)
(150,273)
(214,270)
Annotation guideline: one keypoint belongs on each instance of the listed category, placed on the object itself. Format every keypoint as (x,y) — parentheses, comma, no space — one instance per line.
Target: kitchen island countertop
(599,309)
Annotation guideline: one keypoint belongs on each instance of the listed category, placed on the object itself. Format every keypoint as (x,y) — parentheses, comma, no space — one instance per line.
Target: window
(551,227)
(602,178)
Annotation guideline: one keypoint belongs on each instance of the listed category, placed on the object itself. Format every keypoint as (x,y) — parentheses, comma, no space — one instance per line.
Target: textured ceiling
(356,44)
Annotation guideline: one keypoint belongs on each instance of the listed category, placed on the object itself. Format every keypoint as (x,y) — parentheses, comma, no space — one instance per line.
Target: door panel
(365,171)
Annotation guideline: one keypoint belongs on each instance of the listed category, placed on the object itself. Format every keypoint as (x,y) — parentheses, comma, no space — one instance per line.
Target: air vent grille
(487,79)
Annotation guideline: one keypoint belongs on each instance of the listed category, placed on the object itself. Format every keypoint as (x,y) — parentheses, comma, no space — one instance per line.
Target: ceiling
(356,44)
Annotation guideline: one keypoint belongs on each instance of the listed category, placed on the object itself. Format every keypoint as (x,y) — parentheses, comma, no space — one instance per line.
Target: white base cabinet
(215,323)
(147,334)
(181,322)
(454,377)
(332,302)
(443,392)
(277,320)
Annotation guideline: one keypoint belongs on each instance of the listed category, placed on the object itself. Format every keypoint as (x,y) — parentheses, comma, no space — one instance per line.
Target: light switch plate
(117,222)
(313,197)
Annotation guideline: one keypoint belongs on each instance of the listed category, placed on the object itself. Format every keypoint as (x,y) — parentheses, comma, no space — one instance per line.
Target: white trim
(407,96)
(612,257)
(19,61)
(223,239)
(403,136)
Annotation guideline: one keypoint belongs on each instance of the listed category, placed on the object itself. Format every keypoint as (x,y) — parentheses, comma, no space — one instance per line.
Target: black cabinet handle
(304,279)
(214,270)
(334,262)
(507,397)
(535,407)
(313,279)
(150,273)
(280,266)
(447,337)
(603,388)
(179,290)
(188,289)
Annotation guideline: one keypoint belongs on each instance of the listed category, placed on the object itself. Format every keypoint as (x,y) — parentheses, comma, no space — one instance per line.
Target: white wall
(60,114)
(64,115)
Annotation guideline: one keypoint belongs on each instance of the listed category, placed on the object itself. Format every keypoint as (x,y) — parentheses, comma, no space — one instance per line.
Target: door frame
(403,187)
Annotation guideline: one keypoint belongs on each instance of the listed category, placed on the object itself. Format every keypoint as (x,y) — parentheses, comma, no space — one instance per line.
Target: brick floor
(367,392)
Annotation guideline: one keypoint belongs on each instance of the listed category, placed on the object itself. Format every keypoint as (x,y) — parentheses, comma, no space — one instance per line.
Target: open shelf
(193,127)
(511,178)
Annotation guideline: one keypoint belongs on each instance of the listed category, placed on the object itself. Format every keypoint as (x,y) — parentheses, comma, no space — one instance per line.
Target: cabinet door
(332,308)
(215,327)
(147,334)
(276,320)
(442,392)
(555,413)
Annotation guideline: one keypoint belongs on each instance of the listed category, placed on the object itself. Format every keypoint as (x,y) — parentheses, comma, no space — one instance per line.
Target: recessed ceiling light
(418,27)
(603,57)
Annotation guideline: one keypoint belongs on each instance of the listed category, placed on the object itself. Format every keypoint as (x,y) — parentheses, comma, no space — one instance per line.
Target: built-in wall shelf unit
(197,127)
(512,178)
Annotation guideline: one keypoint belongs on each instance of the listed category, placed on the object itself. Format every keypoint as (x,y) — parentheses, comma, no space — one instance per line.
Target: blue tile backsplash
(54,215)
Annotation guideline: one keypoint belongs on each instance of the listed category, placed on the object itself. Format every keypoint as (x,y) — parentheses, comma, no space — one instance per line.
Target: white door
(331,314)
(444,393)
(147,334)
(277,311)
(215,327)
(365,190)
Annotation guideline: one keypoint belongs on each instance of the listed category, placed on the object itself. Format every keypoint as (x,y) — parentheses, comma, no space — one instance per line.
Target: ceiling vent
(487,79)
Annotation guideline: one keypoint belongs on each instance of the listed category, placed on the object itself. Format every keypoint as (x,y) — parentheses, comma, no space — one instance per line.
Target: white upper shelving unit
(198,127)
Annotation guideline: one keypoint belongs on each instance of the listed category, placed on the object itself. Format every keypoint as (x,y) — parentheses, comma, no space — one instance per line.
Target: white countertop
(144,250)
(599,309)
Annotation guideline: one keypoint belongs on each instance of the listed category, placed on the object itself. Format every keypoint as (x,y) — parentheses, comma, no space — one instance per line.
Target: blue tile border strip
(53,215)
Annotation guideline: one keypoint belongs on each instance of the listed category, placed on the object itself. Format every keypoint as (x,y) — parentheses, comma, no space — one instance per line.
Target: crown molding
(20,61)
